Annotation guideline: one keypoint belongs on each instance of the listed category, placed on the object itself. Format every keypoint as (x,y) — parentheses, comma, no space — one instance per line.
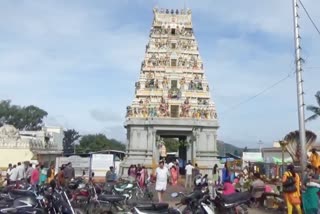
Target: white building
(19,146)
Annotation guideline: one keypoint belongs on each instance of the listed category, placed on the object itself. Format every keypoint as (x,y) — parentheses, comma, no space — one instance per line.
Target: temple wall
(14,156)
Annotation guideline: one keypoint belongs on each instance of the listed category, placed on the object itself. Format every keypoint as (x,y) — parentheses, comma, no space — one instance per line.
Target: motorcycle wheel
(242,209)
(78,211)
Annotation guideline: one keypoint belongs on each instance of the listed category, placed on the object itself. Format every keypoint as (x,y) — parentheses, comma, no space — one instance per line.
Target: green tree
(172,144)
(98,142)
(70,138)
(236,153)
(23,118)
(314,109)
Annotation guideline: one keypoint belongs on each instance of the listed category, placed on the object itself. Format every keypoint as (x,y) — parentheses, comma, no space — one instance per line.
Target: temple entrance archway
(177,148)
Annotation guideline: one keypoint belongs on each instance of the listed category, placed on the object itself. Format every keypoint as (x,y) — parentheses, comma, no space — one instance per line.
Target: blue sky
(79,60)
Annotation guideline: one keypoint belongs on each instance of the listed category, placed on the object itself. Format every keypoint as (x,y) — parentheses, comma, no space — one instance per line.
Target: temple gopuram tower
(172,97)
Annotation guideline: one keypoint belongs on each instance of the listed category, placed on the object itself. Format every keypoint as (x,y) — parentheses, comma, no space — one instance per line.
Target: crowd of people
(38,174)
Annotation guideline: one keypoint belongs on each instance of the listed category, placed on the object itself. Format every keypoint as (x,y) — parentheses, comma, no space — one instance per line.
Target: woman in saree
(292,198)
(143,177)
(310,192)
(174,175)
(43,175)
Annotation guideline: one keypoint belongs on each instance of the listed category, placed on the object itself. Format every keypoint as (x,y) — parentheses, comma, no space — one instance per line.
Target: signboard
(100,163)
(79,164)
(252,157)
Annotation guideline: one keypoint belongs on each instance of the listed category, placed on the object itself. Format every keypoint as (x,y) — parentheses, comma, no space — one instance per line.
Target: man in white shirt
(170,165)
(13,175)
(162,175)
(21,171)
(9,173)
(188,169)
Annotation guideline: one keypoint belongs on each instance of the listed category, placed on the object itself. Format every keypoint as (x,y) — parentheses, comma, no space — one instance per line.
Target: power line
(258,94)
(310,18)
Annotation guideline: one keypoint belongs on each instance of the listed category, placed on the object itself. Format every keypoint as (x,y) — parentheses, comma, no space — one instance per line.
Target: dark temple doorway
(176,150)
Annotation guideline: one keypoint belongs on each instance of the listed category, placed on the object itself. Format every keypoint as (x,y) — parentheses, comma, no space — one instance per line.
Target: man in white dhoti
(162,176)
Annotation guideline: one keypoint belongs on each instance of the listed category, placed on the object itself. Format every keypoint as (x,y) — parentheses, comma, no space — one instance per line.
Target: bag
(294,199)
(289,185)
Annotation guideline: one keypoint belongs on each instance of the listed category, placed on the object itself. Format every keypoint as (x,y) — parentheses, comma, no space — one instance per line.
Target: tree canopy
(22,118)
(172,144)
(98,142)
(70,138)
(314,109)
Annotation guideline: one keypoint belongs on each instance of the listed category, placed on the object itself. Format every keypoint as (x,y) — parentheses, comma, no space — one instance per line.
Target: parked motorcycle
(154,208)
(196,202)
(238,202)
(23,201)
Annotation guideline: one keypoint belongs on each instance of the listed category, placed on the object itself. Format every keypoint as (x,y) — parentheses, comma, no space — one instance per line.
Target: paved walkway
(180,188)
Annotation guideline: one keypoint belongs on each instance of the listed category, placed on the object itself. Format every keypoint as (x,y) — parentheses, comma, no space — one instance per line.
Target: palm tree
(314,109)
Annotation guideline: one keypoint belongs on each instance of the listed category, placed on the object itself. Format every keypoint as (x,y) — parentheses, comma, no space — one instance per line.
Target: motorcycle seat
(236,197)
(111,198)
(152,206)
(21,192)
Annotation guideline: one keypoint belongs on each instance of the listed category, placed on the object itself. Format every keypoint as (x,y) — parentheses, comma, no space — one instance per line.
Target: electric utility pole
(300,93)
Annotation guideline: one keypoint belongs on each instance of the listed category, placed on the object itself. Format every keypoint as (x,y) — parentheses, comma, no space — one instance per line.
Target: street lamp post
(283,145)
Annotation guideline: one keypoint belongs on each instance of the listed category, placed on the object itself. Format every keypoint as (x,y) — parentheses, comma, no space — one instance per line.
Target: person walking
(43,175)
(21,171)
(35,177)
(188,169)
(9,173)
(225,172)
(68,173)
(13,175)
(60,176)
(310,192)
(291,189)
(314,158)
(50,173)
(162,176)
(174,175)
(29,173)
(195,170)
(215,173)
(111,176)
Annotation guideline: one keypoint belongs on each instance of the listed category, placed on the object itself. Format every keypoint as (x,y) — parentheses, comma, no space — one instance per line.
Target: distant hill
(228,148)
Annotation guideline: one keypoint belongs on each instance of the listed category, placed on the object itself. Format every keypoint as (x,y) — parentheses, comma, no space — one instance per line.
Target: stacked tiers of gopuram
(172,96)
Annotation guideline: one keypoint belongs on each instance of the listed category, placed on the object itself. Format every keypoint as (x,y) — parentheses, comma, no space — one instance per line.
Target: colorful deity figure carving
(137,85)
(182,82)
(185,108)
(207,113)
(144,111)
(199,86)
(165,82)
(152,111)
(156,84)
(196,78)
(129,111)
(163,108)
(208,89)
(174,93)
(212,113)
(141,102)
(136,112)
(148,100)
(192,85)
